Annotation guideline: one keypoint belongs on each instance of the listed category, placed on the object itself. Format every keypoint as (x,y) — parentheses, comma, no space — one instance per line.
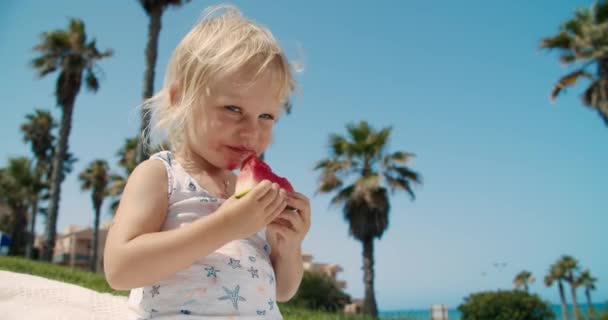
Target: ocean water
(453,313)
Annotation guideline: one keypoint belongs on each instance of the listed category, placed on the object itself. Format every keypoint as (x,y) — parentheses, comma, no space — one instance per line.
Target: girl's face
(235,120)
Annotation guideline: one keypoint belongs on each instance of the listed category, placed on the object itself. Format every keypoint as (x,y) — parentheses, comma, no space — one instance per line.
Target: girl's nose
(248,129)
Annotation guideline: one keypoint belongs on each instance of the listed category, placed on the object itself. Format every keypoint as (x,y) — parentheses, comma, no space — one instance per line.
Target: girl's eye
(233,108)
(267,116)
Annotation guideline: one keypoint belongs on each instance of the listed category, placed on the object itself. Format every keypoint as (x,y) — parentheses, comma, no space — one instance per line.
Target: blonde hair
(222,43)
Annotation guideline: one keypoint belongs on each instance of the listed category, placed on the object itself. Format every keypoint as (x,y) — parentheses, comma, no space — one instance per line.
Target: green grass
(98,283)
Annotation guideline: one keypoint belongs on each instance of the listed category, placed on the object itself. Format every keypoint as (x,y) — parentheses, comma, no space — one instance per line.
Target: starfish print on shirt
(235,264)
(212,272)
(155,290)
(254,272)
(233,296)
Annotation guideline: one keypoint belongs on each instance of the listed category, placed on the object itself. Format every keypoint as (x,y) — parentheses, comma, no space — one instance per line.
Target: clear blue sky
(508,177)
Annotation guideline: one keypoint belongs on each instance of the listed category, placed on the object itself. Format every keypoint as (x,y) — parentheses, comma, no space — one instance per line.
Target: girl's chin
(232,166)
(233,163)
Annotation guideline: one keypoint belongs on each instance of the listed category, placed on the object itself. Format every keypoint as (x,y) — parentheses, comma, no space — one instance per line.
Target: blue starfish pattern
(271,304)
(270,278)
(254,272)
(252,258)
(184,311)
(261,312)
(155,290)
(233,296)
(235,263)
(267,248)
(212,272)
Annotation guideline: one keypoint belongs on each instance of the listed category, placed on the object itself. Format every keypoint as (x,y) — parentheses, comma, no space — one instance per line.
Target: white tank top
(235,282)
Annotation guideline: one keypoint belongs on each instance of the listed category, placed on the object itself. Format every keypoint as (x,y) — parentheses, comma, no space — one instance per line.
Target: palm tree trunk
(18,232)
(97,205)
(562,298)
(29,251)
(590,310)
(56,179)
(575,308)
(603,74)
(151,54)
(602,68)
(369,302)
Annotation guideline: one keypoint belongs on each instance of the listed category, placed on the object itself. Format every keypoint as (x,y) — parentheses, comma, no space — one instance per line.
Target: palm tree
(588,282)
(582,42)
(127,161)
(17,191)
(95,178)
(37,132)
(523,279)
(571,267)
(557,273)
(69,53)
(360,161)
(154,9)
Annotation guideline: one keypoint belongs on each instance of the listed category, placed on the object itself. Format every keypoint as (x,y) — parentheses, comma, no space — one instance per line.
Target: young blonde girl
(180,241)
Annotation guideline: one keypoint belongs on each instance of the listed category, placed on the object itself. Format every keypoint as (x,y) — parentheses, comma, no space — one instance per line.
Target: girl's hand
(291,226)
(250,213)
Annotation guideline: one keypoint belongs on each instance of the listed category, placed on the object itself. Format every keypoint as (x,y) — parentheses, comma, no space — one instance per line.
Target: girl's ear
(173,94)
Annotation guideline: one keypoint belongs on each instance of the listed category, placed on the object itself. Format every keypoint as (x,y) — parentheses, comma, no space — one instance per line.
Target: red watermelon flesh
(253,171)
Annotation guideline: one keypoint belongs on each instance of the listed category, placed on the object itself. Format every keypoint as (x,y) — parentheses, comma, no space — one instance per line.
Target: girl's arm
(136,252)
(288,269)
(285,236)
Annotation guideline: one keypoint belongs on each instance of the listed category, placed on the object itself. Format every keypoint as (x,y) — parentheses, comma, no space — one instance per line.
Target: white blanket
(24,296)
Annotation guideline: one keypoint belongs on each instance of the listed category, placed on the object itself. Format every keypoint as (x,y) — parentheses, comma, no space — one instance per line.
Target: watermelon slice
(253,171)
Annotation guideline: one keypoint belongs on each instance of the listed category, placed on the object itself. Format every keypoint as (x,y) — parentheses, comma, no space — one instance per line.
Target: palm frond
(45,64)
(328,182)
(586,280)
(395,184)
(78,36)
(378,143)
(55,43)
(342,196)
(596,97)
(91,80)
(398,157)
(567,81)
(359,132)
(576,25)
(562,41)
(367,184)
(339,146)
(406,173)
